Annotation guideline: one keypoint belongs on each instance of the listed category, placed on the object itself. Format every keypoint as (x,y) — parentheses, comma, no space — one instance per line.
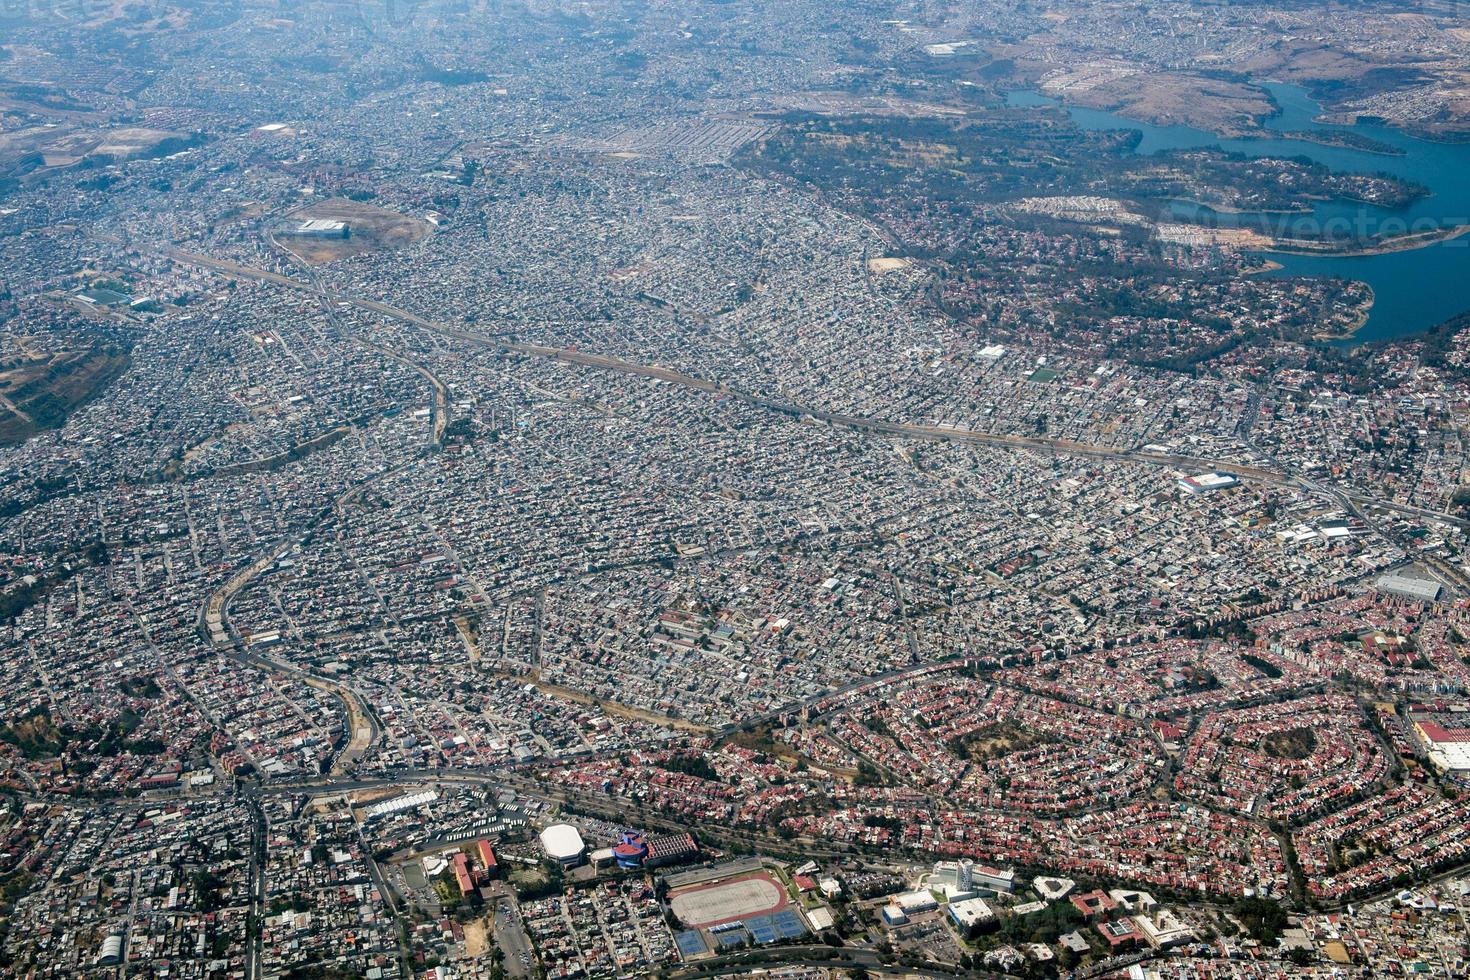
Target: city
(628,489)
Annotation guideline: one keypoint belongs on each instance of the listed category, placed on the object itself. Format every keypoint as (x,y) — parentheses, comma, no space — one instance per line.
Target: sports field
(702,906)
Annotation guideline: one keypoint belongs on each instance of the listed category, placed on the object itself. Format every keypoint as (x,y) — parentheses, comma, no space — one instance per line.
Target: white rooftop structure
(996,879)
(1051,888)
(111,952)
(971,912)
(1450,756)
(407,802)
(563,843)
(1206,482)
(1422,590)
(320,228)
(916,901)
(1164,929)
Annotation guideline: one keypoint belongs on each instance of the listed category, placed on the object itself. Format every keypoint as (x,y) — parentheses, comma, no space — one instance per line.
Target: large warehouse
(1445,734)
(320,228)
(1207,482)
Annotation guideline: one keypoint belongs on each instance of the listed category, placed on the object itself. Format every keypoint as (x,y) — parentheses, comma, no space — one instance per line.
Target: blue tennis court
(690,944)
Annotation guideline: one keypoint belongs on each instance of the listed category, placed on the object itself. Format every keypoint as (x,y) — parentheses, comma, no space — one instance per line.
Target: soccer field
(707,905)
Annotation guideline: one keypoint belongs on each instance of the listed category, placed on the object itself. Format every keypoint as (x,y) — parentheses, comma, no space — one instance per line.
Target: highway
(215,624)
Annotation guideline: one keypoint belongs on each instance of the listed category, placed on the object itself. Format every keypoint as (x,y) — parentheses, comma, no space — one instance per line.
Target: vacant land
(476,941)
(36,735)
(1166,98)
(372,229)
(1294,743)
(1002,738)
(42,150)
(39,393)
(1175,99)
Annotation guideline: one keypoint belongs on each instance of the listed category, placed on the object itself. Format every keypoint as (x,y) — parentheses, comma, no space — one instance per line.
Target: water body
(1413,290)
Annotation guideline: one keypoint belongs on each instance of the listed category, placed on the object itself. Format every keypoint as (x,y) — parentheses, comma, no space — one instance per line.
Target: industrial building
(397,804)
(320,228)
(665,849)
(111,952)
(1418,589)
(1445,734)
(1207,482)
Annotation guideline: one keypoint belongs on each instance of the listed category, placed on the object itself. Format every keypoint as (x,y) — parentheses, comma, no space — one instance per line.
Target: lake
(1413,290)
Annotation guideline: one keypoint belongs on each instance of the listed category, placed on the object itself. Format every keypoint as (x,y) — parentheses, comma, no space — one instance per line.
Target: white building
(1053,889)
(563,844)
(1207,482)
(1163,929)
(993,878)
(916,901)
(320,228)
(111,952)
(970,914)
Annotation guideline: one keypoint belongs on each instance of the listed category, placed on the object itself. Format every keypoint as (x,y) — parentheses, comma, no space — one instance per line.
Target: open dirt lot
(476,941)
(373,229)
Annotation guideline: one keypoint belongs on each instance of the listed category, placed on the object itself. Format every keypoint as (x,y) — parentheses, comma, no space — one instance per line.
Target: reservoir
(1414,289)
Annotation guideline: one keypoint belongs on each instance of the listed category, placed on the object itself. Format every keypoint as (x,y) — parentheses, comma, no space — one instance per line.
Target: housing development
(719,488)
